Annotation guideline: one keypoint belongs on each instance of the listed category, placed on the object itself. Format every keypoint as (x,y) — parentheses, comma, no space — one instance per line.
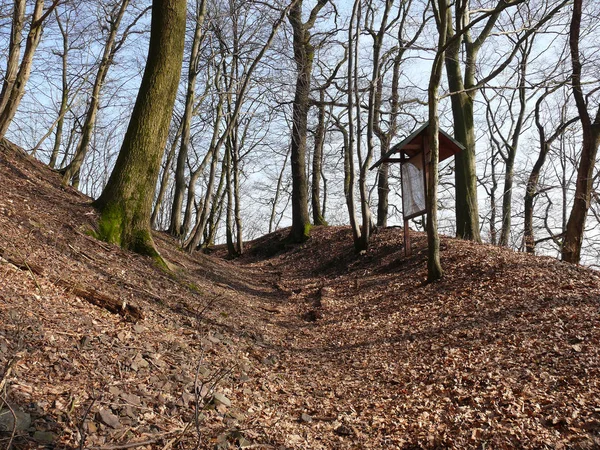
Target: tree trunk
(532,181)
(571,251)
(89,123)
(175,227)
(513,147)
(277,192)
(164,180)
(212,149)
(203,215)
(432,147)
(303,55)
(231,250)
(493,189)
(61,114)
(467,219)
(126,202)
(373,117)
(15,87)
(317,164)
(14,52)
(349,135)
(239,244)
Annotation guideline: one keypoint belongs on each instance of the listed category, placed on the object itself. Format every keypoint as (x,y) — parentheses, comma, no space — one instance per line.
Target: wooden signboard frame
(417,143)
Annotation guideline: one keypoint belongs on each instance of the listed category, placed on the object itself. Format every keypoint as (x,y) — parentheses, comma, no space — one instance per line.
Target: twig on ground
(14,427)
(7,371)
(81,426)
(177,438)
(203,390)
(127,445)
(201,312)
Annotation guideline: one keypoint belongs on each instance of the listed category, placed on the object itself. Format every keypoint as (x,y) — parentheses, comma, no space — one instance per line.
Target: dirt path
(502,351)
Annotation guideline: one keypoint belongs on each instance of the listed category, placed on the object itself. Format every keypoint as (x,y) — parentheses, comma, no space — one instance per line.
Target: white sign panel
(413,186)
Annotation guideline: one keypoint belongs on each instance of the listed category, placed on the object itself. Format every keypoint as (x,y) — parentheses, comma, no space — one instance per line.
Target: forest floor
(289,347)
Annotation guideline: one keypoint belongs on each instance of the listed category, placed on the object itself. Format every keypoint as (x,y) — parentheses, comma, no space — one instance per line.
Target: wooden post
(407,246)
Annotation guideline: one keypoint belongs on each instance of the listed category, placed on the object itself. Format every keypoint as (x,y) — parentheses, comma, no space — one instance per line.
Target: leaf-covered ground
(291,347)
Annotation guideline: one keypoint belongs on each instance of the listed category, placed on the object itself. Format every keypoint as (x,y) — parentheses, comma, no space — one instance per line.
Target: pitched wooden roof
(413,144)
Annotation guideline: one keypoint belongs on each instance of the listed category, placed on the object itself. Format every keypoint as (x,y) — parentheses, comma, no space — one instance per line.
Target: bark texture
(175,227)
(303,56)
(571,251)
(125,205)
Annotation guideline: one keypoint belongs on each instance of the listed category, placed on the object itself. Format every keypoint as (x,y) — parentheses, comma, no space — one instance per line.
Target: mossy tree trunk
(125,205)
(464,89)
(467,218)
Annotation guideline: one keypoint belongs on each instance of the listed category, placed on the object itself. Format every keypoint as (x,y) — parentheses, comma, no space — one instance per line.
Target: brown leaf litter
(303,347)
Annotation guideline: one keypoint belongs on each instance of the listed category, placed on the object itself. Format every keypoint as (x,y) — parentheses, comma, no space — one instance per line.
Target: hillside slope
(313,345)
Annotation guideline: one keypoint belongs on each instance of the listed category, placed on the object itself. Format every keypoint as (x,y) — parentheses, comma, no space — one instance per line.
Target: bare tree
(590,128)
(180,183)
(432,148)
(114,15)
(18,69)
(303,55)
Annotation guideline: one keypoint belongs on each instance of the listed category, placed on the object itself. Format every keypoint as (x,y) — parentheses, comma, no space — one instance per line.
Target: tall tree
(303,56)
(18,69)
(590,128)
(114,14)
(348,132)
(463,96)
(320,133)
(432,148)
(374,107)
(194,240)
(506,142)
(180,184)
(531,188)
(125,205)
(464,90)
(385,136)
